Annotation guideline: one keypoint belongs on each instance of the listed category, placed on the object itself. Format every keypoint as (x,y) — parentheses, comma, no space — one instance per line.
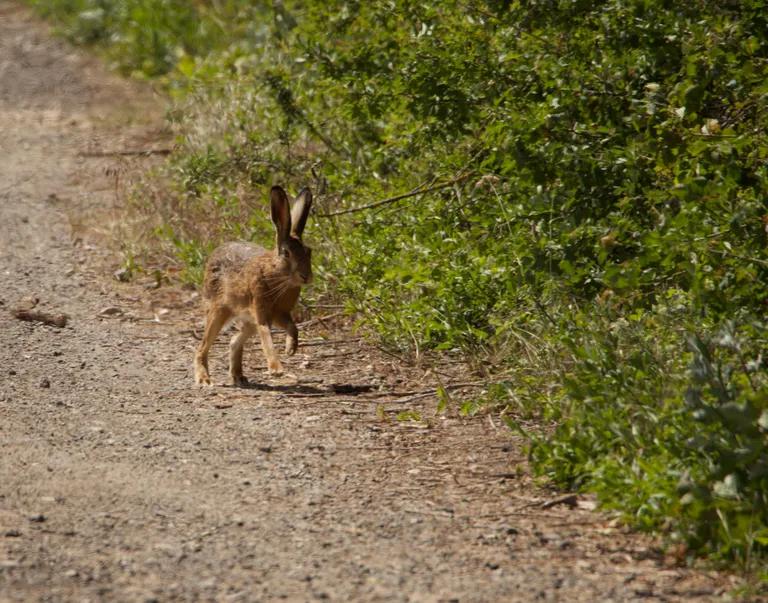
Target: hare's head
(294,257)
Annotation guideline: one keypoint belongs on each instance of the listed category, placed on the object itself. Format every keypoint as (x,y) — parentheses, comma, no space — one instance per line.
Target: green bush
(667,421)
(588,220)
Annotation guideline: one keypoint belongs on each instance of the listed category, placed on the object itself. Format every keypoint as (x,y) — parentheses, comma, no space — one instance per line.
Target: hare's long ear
(281,213)
(300,212)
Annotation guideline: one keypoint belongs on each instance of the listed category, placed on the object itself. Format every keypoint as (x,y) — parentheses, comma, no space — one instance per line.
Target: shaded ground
(121,481)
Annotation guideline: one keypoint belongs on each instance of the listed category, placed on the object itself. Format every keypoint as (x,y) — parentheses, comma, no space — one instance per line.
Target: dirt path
(120,481)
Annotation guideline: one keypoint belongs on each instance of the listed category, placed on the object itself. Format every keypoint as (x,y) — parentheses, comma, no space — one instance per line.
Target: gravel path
(121,481)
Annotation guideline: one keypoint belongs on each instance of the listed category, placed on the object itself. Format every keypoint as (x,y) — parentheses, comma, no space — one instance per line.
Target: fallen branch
(432,392)
(338,354)
(570,500)
(311,343)
(126,152)
(427,394)
(417,191)
(55,320)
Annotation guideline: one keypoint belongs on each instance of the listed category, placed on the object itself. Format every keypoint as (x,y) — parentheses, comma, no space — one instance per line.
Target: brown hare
(257,288)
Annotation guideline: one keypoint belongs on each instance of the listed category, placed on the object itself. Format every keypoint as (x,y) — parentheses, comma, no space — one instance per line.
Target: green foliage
(728,496)
(152,37)
(665,428)
(601,246)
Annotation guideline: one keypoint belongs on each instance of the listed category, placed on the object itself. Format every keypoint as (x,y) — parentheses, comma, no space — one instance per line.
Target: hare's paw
(239,381)
(201,370)
(275,367)
(203,379)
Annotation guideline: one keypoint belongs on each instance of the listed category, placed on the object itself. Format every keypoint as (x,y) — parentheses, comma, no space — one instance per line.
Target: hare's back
(227,261)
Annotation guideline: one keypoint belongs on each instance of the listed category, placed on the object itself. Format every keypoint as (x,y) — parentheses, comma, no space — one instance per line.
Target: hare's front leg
(236,353)
(273,362)
(285,321)
(215,319)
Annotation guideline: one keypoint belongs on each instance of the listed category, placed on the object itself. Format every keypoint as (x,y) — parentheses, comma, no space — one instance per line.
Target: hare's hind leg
(215,319)
(236,353)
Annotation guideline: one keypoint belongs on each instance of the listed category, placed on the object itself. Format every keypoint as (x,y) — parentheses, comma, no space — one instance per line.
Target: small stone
(45,383)
(38,518)
(123,275)
(12,533)
(29,302)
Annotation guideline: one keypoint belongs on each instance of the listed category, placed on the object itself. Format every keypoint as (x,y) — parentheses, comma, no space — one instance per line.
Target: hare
(257,288)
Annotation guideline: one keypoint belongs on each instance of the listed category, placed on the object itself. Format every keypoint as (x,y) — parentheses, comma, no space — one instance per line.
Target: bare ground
(120,481)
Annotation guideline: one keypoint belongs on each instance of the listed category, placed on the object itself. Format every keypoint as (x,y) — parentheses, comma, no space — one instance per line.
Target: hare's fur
(257,288)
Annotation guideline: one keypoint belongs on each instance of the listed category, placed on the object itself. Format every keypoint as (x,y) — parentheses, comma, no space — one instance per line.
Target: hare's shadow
(290,388)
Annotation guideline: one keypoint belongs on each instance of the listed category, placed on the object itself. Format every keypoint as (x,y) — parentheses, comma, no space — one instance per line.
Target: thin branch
(414,193)
(543,310)
(320,319)
(740,257)
(325,140)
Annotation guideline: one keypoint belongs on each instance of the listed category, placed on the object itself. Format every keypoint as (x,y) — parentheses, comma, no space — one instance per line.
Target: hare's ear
(281,213)
(300,212)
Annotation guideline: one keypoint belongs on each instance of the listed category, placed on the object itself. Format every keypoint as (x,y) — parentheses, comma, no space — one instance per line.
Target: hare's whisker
(277,290)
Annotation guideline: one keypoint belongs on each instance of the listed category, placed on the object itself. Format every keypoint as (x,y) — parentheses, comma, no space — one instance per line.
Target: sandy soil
(121,481)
